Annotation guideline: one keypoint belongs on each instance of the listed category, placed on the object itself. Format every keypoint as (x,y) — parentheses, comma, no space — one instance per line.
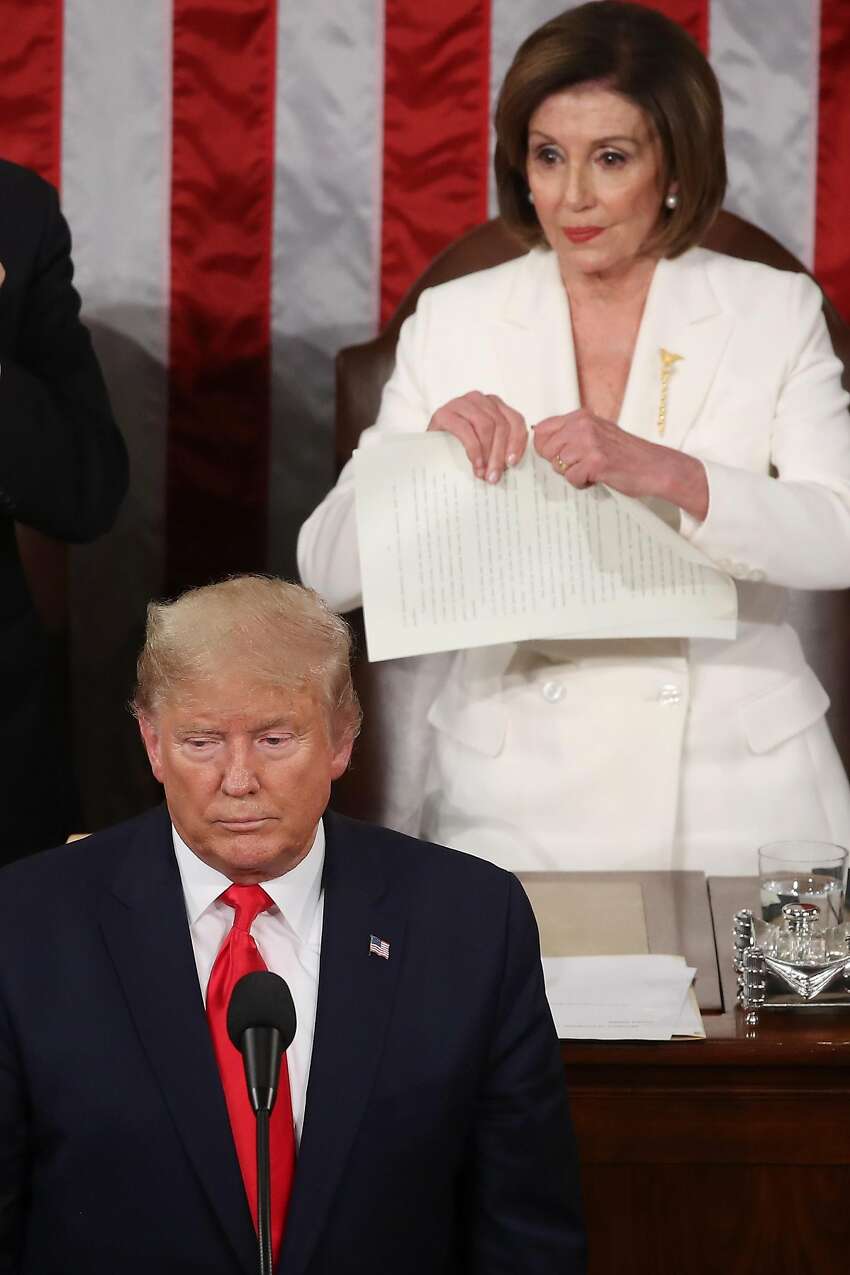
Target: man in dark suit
(424,1089)
(63,471)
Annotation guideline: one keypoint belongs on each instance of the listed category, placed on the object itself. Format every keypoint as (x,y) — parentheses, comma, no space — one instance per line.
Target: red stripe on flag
(832,193)
(31,85)
(221,226)
(690,14)
(436,133)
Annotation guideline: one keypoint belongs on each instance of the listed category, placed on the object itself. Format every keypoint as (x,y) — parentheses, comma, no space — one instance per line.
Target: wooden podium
(729,1155)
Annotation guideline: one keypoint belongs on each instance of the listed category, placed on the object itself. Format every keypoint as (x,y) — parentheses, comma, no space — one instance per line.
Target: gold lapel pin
(668,361)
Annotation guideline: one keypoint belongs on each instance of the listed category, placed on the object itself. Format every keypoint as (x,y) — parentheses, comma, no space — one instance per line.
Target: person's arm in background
(13,1150)
(521,1190)
(63,463)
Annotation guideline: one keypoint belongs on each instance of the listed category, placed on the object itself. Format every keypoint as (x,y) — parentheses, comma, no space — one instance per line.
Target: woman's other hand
(585,449)
(493,434)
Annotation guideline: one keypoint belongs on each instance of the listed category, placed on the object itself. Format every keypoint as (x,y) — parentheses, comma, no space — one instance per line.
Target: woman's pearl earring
(672,201)
(531,198)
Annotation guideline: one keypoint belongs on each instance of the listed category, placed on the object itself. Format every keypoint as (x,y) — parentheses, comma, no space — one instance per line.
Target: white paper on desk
(449,561)
(621,997)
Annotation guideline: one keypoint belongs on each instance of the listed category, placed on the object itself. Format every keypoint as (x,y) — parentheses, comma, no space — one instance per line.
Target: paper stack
(622,997)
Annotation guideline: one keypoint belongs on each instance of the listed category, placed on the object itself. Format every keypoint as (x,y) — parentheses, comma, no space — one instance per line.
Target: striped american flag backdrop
(253,183)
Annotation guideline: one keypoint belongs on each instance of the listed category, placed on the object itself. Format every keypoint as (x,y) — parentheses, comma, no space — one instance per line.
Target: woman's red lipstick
(582,234)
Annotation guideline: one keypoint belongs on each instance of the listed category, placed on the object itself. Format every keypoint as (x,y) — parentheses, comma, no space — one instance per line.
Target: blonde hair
(270,630)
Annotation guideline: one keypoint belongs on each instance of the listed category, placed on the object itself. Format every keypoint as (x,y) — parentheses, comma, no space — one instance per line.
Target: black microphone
(261,1024)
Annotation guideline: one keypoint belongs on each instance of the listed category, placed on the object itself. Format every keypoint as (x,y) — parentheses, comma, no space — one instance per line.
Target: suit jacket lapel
(533,342)
(683,316)
(143,919)
(533,345)
(356,993)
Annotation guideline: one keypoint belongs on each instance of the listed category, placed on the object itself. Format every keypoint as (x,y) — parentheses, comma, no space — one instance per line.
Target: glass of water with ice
(803,872)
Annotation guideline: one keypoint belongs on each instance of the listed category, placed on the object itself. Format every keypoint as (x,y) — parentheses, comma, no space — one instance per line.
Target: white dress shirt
(289,938)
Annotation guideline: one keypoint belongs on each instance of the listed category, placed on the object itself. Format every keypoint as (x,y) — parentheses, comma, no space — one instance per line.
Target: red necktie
(239,955)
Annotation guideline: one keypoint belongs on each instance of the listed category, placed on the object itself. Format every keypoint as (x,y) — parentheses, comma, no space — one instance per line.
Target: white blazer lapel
(533,342)
(682,316)
(535,355)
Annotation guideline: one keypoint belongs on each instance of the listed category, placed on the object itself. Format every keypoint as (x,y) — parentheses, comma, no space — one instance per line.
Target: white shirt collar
(296,893)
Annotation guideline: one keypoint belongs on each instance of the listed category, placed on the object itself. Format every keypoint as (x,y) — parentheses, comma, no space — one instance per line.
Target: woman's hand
(493,434)
(585,450)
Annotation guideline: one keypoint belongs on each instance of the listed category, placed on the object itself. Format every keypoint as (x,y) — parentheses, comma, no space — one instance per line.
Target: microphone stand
(262,1052)
(264,1194)
(261,1024)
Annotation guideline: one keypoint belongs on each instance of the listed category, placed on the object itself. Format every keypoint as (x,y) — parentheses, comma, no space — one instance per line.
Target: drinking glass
(803,872)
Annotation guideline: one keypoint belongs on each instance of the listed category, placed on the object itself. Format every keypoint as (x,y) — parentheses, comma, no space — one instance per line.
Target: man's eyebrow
(274,723)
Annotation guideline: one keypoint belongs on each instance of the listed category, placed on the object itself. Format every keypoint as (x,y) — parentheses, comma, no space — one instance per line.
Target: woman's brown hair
(648,59)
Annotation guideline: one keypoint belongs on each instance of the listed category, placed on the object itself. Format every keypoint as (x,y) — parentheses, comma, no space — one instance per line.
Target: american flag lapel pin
(379,947)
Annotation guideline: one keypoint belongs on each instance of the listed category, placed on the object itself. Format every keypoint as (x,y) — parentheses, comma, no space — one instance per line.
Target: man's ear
(341,755)
(151,740)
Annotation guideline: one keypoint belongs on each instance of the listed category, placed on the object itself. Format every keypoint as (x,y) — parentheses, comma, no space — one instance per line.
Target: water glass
(803,872)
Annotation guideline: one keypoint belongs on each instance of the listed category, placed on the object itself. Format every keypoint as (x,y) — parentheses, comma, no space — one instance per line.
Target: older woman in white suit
(629,754)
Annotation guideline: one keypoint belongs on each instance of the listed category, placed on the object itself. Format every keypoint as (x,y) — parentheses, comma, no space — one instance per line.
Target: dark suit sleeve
(523,1193)
(63,464)
(13,1139)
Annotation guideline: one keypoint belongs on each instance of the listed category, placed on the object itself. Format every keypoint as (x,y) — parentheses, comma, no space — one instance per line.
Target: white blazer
(640,754)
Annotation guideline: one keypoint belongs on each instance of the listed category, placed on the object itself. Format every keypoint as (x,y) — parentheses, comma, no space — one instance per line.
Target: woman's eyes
(548,156)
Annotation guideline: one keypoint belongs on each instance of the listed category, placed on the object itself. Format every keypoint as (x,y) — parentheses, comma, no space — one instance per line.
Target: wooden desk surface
(726,1154)
(677,912)
(783,1037)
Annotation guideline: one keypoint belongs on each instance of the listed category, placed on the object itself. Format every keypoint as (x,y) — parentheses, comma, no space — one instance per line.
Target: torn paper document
(449,561)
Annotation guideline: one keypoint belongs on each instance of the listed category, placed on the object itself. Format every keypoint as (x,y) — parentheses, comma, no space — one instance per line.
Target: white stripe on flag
(766,58)
(326,231)
(116,141)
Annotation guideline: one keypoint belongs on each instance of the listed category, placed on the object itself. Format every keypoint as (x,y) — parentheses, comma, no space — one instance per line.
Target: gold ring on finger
(560,462)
